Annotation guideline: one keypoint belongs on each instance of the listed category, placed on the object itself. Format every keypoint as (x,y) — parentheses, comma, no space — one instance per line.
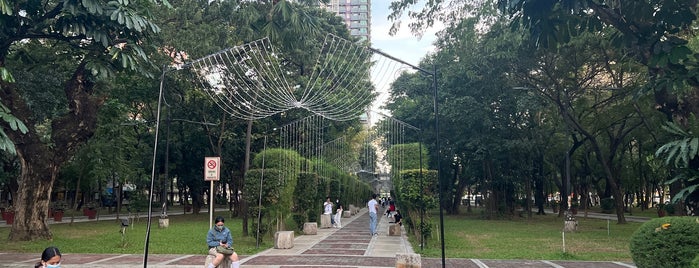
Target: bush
(666,242)
(607,205)
(669,208)
(305,194)
(299,221)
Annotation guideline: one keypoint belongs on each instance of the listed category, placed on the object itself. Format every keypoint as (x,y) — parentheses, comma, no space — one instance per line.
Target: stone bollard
(394,229)
(224,264)
(284,239)
(570,226)
(346,214)
(163,223)
(408,260)
(325,221)
(310,228)
(353,210)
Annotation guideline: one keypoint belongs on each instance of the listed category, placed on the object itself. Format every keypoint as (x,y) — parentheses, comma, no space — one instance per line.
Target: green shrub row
(281,194)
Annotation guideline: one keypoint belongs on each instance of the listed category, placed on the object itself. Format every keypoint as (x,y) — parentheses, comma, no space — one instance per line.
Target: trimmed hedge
(666,242)
(305,198)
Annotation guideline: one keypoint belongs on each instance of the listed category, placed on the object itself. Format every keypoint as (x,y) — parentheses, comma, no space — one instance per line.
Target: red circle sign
(211,164)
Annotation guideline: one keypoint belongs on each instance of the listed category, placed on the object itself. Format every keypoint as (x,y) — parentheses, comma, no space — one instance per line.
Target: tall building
(356,13)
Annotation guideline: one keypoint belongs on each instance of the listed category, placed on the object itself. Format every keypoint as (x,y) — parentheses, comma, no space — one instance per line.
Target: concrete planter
(58,215)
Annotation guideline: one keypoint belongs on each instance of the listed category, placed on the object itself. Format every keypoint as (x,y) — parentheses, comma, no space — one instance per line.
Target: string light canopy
(249,81)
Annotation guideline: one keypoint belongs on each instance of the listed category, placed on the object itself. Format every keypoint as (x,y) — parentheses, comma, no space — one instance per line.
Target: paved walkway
(348,247)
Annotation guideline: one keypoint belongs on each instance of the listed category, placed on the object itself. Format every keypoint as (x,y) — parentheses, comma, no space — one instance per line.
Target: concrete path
(349,246)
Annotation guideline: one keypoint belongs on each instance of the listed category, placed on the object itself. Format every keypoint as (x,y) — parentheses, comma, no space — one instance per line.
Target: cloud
(404,44)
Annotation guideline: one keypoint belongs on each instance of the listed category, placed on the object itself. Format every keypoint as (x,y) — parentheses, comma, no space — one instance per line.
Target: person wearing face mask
(219,235)
(50,258)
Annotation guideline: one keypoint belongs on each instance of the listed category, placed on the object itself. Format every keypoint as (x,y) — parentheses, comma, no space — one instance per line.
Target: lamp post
(152,175)
(433,74)
(161,100)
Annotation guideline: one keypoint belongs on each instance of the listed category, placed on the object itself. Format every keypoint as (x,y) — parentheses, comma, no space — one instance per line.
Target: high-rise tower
(356,13)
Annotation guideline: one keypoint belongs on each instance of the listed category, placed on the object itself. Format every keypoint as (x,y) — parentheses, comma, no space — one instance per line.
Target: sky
(404,45)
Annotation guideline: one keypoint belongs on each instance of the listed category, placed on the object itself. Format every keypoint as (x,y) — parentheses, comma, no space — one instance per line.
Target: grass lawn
(541,237)
(468,236)
(185,235)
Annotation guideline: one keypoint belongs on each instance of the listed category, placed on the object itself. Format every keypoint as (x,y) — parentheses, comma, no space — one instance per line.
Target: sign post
(212,170)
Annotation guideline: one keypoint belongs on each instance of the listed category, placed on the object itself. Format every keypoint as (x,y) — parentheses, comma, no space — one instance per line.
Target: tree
(658,34)
(592,86)
(89,41)
(489,122)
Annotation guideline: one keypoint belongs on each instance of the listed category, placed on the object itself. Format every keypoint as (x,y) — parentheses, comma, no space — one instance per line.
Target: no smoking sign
(212,166)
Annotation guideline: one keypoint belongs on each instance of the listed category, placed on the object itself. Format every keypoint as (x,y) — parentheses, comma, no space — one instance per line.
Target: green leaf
(6,144)
(693,147)
(115,14)
(684,193)
(5,8)
(679,54)
(675,129)
(14,122)
(5,75)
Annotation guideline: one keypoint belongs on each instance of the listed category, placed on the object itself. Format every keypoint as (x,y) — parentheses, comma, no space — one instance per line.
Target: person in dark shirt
(397,218)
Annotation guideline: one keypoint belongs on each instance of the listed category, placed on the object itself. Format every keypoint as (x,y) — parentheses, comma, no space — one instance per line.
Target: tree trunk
(613,185)
(459,191)
(32,200)
(539,195)
(39,162)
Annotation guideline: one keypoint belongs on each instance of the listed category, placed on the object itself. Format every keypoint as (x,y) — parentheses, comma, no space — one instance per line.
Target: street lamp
(155,152)
(433,73)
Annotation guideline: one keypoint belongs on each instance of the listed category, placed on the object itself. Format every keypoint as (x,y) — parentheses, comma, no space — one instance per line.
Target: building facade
(356,13)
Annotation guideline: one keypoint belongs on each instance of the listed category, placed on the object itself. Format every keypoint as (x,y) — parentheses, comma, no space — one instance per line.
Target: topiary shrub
(666,242)
(305,195)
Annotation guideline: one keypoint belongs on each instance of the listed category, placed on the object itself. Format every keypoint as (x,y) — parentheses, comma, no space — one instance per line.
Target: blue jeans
(372,222)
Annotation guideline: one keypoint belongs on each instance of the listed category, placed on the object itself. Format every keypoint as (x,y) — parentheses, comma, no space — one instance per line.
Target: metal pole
(211,203)
(436,128)
(259,202)
(166,179)
(152,174)
(422,202)
(439,161)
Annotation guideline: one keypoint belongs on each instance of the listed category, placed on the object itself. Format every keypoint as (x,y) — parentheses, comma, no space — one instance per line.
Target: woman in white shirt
(338,216)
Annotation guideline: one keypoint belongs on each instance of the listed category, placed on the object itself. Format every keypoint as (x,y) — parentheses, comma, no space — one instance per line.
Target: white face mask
(53,265)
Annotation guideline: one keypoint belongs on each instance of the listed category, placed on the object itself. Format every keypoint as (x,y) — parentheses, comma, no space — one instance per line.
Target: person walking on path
(373,208)
(220,236)
(391,209)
